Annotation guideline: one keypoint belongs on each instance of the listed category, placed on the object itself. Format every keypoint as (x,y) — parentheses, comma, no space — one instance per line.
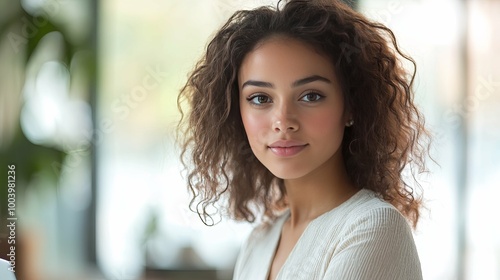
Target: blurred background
(88,112)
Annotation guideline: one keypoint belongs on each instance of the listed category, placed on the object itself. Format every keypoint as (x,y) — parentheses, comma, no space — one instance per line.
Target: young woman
(304,115)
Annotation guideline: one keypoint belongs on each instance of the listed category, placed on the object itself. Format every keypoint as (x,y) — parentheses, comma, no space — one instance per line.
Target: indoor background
(88,112)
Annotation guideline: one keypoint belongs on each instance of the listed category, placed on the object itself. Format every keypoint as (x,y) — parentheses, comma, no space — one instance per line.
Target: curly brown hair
(388,137)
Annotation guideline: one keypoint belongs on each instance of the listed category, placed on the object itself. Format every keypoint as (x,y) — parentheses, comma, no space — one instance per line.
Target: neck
(318,192)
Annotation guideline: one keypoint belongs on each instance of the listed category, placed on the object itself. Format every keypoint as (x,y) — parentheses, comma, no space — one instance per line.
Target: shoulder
(375,242)
(368,216)
(366,209)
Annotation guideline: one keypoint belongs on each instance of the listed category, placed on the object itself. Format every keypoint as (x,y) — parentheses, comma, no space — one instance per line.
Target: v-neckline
(281,224)
(277,240)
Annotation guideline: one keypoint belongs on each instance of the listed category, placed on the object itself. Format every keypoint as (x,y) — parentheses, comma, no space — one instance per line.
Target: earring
(349,123)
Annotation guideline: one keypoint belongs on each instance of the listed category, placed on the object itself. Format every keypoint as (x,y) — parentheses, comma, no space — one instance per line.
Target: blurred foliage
(24,30)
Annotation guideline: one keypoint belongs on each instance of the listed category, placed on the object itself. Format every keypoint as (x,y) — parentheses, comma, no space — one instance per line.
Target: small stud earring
(349,123)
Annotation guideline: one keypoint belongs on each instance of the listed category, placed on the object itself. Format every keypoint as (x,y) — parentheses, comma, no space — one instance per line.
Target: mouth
(287,148)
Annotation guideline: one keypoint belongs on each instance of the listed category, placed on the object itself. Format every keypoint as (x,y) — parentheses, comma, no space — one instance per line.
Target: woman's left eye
(311,97)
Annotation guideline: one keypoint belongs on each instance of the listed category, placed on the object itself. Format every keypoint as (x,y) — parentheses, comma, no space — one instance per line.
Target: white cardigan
(365,238)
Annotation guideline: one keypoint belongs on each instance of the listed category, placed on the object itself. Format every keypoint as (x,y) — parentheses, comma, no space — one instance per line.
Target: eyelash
(319,96)
(252,98)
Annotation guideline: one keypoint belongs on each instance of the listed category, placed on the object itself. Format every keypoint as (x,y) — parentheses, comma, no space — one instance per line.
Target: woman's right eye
(259,99)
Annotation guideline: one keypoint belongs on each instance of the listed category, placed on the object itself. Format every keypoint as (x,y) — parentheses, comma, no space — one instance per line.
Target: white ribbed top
(363,238)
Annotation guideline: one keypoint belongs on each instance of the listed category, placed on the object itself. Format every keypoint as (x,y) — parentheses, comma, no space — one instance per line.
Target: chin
(287,173)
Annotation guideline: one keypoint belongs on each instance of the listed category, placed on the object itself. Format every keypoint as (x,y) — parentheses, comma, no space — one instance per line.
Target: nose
(285,120)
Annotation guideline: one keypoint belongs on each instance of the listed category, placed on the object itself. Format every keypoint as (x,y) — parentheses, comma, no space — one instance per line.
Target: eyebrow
(297,83)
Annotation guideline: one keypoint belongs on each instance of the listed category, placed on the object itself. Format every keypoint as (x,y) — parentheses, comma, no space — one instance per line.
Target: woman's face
(292,108)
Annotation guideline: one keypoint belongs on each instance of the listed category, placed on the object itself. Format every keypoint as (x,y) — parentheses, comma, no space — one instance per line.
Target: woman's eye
(311,97)
(258,99)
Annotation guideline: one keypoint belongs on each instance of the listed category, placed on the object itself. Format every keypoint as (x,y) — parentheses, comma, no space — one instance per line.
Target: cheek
(255,125)
(325,122)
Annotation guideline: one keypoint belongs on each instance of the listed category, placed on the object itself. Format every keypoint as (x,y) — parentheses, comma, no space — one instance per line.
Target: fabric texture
(364,238)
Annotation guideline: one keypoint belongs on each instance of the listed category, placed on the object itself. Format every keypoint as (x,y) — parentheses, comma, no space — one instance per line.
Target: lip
(287,148)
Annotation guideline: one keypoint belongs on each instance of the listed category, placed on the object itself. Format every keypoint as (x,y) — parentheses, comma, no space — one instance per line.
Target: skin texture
(273,107)
(312,113)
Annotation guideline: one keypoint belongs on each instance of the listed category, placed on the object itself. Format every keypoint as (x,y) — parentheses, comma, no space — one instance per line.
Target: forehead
(284,59)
